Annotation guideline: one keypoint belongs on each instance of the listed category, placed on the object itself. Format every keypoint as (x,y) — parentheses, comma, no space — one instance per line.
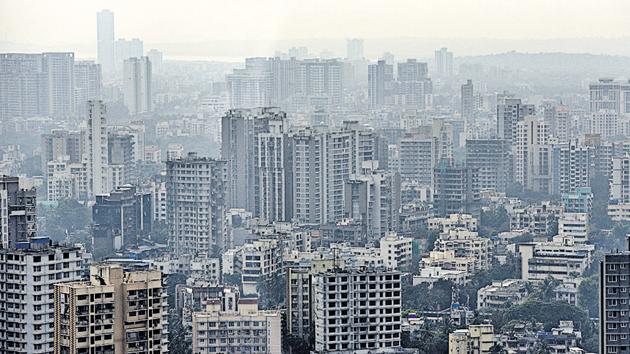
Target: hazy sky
(74,21)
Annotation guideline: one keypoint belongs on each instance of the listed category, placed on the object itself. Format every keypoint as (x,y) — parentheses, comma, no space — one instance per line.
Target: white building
(466,221)
(357,311)
(501,294)
(562,258)
(574,225)
(259,260)
(196,211)
(246,330)
(466,244)
(532,155)
(396,251)
(27,278)
(96,156)
(137,85)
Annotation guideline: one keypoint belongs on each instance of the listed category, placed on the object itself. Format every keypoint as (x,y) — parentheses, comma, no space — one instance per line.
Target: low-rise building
(467,244)
(575,225)
(477,339)
(502,294)
(452,221)
(561,258)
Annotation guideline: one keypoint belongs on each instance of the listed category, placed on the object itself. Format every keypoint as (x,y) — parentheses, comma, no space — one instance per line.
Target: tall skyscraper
(373,199)
(58,71)
(115,311)
(250,87)
(412,70)
(17,212)
(571,167)
(61,145)
(125,49)
(532,155)
(413,87)
(156,58)
(120,158)
(95,144)
(22,86)
(380,81)
(137,85)
(354,49)
(467,106)
(254,146)
(610,95)
(105,40)
(456,189)
(444,62)
(87,85)
(417,158)
(492,158)
(196,205)
(509,112)
(27,273)
(305,148)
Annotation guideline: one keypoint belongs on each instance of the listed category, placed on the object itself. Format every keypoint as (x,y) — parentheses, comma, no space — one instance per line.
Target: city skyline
(483,30)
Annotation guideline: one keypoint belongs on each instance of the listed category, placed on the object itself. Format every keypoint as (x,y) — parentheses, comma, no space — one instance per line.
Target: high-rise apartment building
(254,146)
(116,311)
(493,159)
(532,155)
(250,87)
(61,145)
(125,49)
(121,161)
(510,111)
(571,167)
(58,71)
(105,40)
(95,145)
(467,102)
(22,86)
(27,277)
(87,85)
(610,95)
(126,214)
(380,83)
(305,148)
(354,49)
(357,310)
(373,199)
(417,158)
(444,62)
(413,88)
(17,212)
(244,330)
(197,204)
(455,189)
(137,78)
(614,323)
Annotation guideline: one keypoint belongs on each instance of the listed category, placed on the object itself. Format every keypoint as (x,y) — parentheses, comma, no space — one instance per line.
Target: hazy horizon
(235,30)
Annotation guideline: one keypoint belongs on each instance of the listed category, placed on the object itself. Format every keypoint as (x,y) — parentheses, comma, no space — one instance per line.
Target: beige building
(477,339)
(466,243)
(114,312)
(246,330)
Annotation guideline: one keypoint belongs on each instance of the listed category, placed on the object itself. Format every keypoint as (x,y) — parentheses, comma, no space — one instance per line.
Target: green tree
(588,295)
